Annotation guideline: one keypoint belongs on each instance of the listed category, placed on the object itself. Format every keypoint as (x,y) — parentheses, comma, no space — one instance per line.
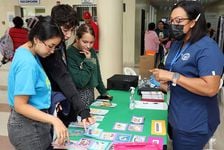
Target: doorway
(142,31)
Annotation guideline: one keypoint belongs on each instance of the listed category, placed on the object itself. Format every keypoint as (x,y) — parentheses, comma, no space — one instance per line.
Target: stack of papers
(152,96)
(151,105)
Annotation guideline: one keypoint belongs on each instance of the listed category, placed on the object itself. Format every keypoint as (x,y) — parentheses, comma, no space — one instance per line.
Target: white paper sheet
(151,105)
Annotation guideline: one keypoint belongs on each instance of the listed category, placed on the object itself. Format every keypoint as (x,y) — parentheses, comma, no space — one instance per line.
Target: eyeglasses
(177,20)
(49,46)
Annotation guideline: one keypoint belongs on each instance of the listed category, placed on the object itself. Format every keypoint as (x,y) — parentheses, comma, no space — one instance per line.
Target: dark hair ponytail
(43,28)
(84,28)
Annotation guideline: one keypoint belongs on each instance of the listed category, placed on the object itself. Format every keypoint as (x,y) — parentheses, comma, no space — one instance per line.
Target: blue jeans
(27,134)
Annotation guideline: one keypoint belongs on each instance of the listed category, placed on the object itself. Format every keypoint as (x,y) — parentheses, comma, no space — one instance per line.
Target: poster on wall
(29,1)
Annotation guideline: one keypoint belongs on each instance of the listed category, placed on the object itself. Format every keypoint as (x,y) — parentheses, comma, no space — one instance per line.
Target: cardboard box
(145,64)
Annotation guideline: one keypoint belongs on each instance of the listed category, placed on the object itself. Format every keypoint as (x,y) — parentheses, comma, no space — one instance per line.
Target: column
(110,20)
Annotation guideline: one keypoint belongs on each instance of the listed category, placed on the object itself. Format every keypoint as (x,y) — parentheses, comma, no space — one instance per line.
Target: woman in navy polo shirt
(193,70)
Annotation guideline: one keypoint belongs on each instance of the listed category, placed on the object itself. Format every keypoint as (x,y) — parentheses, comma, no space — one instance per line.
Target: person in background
(210,30)
(18,34)
(29,123)
(163,35)
(151,39)
(192,72)
(84,66)
(88,20)
(55,66)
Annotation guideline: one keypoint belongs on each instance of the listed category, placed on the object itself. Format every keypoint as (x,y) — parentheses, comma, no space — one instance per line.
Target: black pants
(66,119)
(159,56)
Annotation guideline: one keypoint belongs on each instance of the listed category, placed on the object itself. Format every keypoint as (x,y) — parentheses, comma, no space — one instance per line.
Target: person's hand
(110,97)
(107,97)
(162,75)
(88,121)
(164,86)
(61,131)
(87,53)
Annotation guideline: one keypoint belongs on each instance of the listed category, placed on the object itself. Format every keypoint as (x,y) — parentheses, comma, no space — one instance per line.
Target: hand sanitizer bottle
(140,82)
(132,101)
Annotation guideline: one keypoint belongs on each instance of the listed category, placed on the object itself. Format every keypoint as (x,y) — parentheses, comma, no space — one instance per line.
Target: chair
(129,71)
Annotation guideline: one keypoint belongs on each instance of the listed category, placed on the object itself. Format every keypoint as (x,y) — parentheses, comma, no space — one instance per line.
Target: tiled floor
(4,141)
(5,144)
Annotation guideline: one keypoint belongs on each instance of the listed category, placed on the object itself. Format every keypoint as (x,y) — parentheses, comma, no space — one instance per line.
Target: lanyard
(178,54)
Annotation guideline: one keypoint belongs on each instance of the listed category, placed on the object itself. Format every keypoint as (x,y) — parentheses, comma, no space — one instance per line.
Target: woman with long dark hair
(192,74)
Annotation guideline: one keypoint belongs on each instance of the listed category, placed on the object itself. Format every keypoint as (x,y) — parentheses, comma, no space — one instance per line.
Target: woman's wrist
(175,78)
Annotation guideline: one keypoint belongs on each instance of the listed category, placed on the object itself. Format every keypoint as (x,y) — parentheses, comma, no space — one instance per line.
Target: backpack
(6,46)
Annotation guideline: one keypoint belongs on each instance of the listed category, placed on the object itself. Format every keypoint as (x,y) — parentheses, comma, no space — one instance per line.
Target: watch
(175,77)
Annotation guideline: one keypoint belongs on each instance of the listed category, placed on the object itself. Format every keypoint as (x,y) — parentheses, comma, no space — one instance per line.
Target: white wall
(143,4)
(129,33)
(132,30)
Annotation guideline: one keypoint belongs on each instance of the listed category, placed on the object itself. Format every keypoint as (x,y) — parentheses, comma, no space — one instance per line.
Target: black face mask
(177,31)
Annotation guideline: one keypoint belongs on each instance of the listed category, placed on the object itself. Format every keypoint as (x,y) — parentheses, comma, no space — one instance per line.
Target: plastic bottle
(132,100)
(140,82)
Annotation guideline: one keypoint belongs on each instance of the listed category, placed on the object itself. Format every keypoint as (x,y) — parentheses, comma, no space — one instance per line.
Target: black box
(122,82)
(144,89)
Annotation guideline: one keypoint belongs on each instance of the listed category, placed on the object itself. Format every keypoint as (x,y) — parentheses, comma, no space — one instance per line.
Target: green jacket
(85,72)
